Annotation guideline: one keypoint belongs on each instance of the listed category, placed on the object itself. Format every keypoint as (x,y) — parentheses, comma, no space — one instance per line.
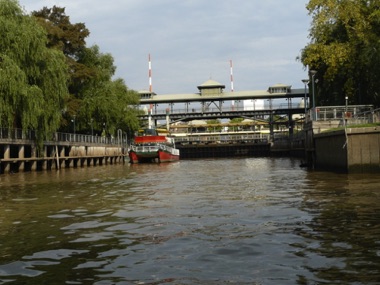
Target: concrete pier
(354,150)
(20,154)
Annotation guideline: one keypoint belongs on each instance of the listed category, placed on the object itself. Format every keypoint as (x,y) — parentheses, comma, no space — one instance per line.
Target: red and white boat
(149,146)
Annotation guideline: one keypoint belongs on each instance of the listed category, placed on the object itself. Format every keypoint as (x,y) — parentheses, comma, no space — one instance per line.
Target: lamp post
(306,82)
(345,113)
(313,73)
(73,120)
(92,127)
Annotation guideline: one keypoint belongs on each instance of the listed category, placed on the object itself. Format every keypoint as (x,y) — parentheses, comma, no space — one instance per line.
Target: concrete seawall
(354,150)
(22,155)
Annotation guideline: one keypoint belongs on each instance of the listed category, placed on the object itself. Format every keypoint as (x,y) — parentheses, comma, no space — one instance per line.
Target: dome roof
(211,84)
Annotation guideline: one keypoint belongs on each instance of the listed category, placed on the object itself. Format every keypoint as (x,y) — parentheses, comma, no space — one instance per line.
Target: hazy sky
(191,41)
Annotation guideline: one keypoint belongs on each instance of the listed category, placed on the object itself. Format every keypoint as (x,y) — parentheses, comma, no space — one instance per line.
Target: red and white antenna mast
(232,83)
(232,77)
(150,74)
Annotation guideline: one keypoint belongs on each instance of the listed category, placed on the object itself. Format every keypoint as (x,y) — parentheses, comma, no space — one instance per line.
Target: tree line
(344,50)
(50,80)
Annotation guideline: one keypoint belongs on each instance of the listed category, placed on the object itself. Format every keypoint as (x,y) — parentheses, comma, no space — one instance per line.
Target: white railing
(209,109)
(19,134)
(328,113)
(223,138)
(140,148)
(169,149)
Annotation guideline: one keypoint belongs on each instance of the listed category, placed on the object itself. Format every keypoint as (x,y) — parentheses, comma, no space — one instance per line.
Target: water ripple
(225,221)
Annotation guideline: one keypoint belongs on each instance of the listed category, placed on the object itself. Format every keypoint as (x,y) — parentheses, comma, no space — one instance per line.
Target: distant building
(253,104)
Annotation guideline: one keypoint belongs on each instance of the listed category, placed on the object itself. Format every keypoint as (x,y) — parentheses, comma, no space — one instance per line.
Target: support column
(291,125)
(91,152)
(33,163)
(21,155)
(44,154)
(70,162)
(7,155)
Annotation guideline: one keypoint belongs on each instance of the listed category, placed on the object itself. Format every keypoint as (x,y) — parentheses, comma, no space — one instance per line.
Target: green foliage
(113,111)
(214,128)
(236,120)
(62,34)
(32,77)
(344,48)
(48,77)
(97,102)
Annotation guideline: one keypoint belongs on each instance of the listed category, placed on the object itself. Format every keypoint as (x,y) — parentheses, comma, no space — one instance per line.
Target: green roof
(211,84)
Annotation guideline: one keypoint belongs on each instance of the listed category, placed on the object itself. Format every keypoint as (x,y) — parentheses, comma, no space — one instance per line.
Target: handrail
(223,138)
(328,113)
(208,109)
(19,134)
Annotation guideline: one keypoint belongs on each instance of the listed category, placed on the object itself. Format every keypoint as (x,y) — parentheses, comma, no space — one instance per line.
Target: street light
(92,127)
(306,82)
(73,120)
(345,113)
(313,73)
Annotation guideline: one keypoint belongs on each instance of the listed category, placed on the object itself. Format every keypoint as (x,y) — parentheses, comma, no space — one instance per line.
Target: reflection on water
(224,221)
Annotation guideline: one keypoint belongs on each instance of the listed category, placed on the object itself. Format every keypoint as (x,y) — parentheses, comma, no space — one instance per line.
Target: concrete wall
(22,156)
(94,151)
(356,152)
(364,149)
(330,151)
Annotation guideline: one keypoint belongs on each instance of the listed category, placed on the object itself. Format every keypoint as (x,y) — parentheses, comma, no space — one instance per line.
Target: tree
(344,49)
(215,125)
(33,78)
(70,39)
(96,100)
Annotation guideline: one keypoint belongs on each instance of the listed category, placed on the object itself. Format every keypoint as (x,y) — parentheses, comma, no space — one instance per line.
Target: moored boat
(149,146)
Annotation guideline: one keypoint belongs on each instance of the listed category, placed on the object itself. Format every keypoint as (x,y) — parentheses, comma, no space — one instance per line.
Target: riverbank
(19,152)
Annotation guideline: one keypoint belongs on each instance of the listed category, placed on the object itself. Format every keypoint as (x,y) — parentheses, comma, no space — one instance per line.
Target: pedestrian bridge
(213,102)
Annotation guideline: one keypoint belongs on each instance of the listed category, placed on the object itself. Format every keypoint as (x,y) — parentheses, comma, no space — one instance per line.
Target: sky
(192,41)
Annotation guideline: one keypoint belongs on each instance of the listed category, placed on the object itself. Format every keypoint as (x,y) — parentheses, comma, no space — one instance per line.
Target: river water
(215,221)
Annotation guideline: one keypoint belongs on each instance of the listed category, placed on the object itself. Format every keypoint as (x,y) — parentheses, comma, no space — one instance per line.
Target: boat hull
(139,157)
(165,156)
(153,148)
(159,156)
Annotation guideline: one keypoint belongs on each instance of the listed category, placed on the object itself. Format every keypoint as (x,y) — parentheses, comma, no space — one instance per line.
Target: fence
(354,113)
(19,134)
(223,138)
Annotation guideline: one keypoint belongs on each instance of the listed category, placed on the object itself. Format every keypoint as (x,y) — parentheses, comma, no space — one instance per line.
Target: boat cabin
(147,132)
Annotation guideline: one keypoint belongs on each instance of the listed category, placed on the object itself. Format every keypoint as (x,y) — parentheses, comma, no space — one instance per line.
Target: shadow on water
(341,240)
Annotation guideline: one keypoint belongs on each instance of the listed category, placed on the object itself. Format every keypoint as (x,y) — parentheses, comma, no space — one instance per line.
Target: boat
(149,146)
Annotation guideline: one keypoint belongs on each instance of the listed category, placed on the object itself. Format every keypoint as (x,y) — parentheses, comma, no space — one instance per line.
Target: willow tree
(96,100)
(344,49)
(107,103)
(33,78)
(70,38)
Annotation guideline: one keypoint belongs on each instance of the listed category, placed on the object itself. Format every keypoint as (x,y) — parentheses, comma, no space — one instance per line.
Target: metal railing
(169,149)
(19,134)
(144,148)
(225,108)
(368,117)
(223,138)
(328,113)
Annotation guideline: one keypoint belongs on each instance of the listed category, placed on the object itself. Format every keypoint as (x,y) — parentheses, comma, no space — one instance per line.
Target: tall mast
(232,83)
(150,74)
(232,77)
